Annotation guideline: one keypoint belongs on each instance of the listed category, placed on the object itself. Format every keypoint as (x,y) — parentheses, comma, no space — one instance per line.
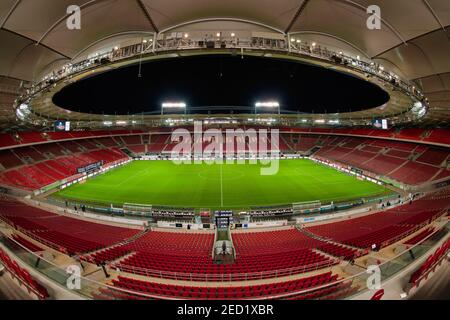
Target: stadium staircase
(332,248)
(224,251)
(112,253)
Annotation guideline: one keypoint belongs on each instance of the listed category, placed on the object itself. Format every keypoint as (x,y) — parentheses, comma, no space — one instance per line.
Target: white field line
(221,186)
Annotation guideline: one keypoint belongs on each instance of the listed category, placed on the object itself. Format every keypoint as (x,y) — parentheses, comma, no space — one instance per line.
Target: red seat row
(384,228)
(68,235)
(23,276)
(430,264)
(291,288)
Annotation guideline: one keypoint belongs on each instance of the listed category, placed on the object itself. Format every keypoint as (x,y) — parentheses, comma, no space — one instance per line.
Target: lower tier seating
(420,236)
(23,276)
(47,172)
(68,235)
(382,229)
(259,255)
(291,289)
(26,243)
(430,264)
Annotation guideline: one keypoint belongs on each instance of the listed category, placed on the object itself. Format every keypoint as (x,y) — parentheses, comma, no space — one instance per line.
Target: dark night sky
(220,81)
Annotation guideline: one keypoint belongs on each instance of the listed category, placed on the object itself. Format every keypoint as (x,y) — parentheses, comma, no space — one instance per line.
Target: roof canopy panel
(423,56)
(34,18)
(277,14)
(99,20)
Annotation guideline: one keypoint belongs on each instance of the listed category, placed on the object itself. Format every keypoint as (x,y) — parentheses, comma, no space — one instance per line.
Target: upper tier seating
(137,148)
(30,137)
(439,136)
(8,159)
(414,134)
(29,152)
(7,140)
(405,162)
(132,140)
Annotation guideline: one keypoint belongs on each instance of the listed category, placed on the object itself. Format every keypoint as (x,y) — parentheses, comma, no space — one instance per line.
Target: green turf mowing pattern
(227,186)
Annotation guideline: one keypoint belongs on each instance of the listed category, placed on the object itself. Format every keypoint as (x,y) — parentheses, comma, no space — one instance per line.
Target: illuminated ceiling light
(313,44)
(116,48)
(186,35)
(218,34)
(319,121)
(233,34)
(292,39)
(358,57)
(299,41)
(144,41)
(340,52)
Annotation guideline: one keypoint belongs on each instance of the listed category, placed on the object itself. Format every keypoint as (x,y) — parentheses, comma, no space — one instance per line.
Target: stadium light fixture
(173,106)
(275,105)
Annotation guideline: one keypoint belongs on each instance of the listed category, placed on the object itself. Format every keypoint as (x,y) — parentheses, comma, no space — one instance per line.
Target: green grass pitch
(227,186)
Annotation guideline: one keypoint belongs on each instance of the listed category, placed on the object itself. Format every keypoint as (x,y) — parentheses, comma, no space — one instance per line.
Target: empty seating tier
(382,229)
(292,289)
(23,276)
(68,235)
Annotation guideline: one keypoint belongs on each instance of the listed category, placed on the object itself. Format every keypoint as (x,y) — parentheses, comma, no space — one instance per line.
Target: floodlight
(267,105)
(173,106)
